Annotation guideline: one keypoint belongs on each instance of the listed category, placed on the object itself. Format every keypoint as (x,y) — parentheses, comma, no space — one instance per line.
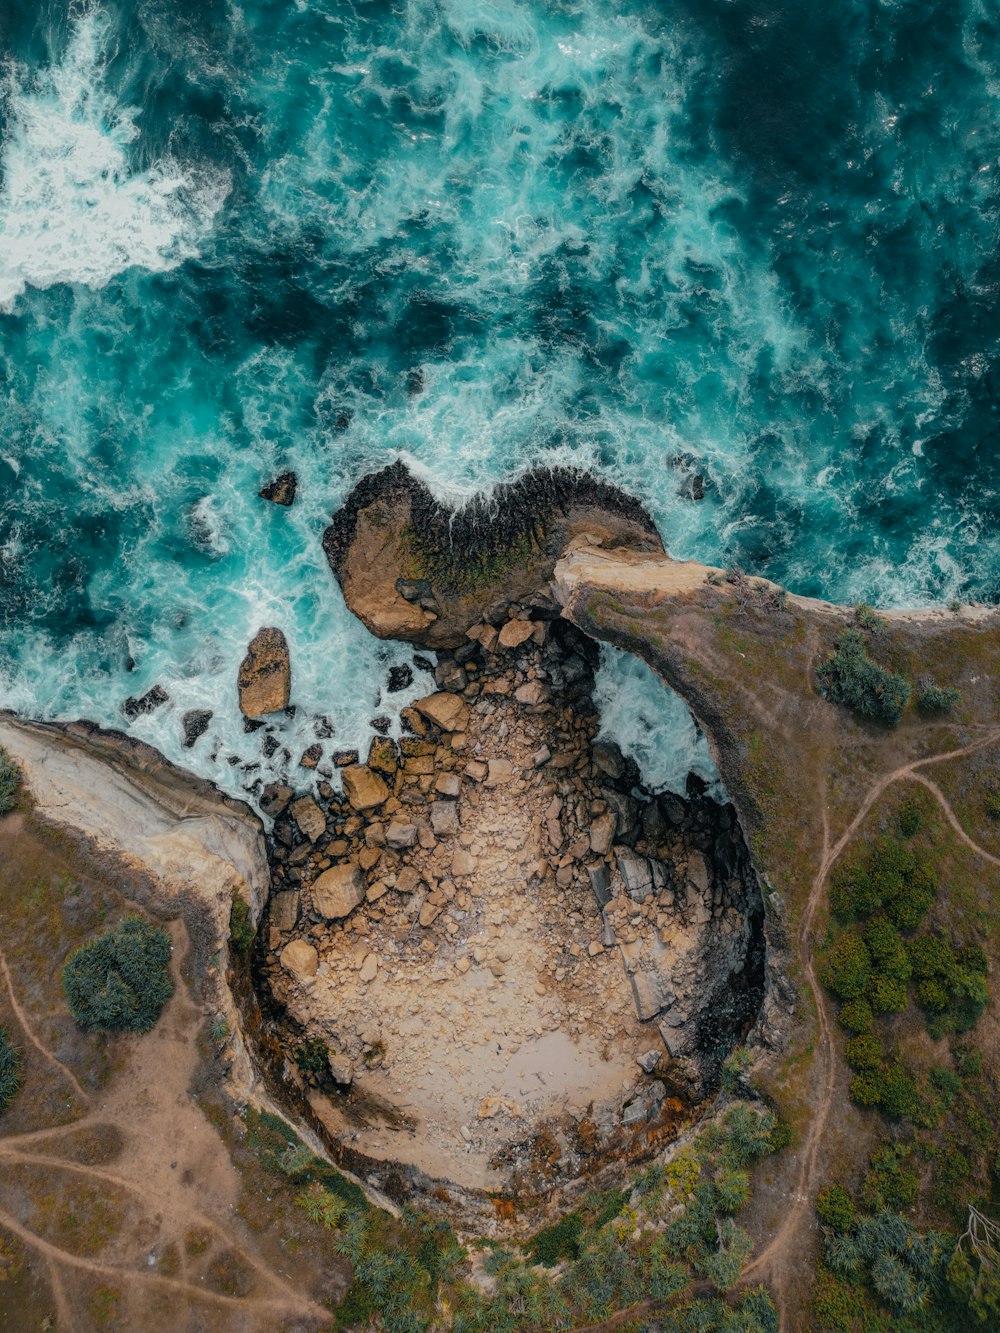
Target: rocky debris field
(516,957)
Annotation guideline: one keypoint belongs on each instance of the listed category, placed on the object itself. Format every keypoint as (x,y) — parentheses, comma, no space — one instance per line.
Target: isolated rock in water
(195,723)
(300,959)
(363,788)
(147,703)
(338,891)
(281,491)
(265,679)
(445,710)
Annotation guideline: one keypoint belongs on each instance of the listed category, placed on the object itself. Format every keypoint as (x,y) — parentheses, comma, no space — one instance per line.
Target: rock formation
(265,679)
(281,491)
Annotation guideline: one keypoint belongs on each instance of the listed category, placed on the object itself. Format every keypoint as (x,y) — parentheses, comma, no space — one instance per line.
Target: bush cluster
(10,1071)
(950,983)
(120,981)
(891,879)
(10,780)
(936,699)
(886,1251)
(849,676)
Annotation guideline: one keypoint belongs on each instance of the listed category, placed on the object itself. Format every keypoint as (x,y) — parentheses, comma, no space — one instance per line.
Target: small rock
(274,799)
(463,863)
(594,948)
(401,836)
(444,818)
(649,1061)
(369,968)
(195,723)
(500,771)
(383,756)
(341,1070)
(147,703)
(344,758)
(280,491)
(400,678)
(448,784)
(541,756)
(532,693)
(476,770)
(429,913)
(311,757)
(602,833)
(284,911)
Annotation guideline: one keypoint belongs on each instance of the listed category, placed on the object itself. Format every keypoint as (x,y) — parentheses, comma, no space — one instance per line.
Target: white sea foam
(73,208)
(651,724)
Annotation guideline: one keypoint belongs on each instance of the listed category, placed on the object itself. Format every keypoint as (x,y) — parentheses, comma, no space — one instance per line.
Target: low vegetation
(120,981)
(10,781)
(849,676)
(10,1071)
(674,1225)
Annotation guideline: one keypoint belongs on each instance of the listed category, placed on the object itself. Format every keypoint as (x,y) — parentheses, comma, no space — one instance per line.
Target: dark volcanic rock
(281,491)
(195,723)
(147,703)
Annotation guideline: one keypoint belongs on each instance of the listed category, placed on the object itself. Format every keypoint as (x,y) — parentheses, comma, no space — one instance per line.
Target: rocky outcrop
(265,678)
(412,568)
(281,491)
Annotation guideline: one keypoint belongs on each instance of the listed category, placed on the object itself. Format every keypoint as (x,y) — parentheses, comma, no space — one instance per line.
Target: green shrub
(864,1052)
(887,950)
(749,1135)
(899,1094)
(868,619)
(732,1189)
(10,780)
(887,995)
(241,932)
(935,699)
(835,1208)
(10,1071)
(120,981)
(312,1055)
(909,819)
(847,969)
(856,1016)
(559,1241)
(850,677)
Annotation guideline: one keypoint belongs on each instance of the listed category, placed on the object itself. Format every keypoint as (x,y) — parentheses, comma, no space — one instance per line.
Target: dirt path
(34,1038)
(778,1263)
(149,1106)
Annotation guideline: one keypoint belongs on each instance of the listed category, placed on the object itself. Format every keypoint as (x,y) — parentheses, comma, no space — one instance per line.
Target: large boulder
(300,959)
(445,710)
(265,679)
(363,788)
(338,891)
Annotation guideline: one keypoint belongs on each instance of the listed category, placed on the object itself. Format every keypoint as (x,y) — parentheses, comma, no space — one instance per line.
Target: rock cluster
(498,872)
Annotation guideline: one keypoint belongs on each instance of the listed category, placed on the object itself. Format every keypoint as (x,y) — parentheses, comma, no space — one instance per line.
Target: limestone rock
(338,891)
(448,784)
(444,818)
(363,788)
(445,710)
(309,817)
(500,771)
(341,1070)
(300,959)
(463,863)
(280,491)
(265,678)
(401,836)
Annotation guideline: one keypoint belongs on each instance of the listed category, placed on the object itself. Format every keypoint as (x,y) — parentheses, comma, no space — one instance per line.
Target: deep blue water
(759,236)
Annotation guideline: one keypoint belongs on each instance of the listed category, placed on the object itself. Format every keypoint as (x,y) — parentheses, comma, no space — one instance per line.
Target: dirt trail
(777,1263)
(34,1038)
(173,1172)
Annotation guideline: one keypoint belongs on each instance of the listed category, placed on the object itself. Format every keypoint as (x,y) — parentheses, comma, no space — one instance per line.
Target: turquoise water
(756,236)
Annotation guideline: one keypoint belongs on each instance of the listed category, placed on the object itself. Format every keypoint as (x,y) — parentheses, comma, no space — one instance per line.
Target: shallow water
(755,239)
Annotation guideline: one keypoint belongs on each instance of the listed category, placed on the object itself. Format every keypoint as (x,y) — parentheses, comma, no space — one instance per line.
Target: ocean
(749,241)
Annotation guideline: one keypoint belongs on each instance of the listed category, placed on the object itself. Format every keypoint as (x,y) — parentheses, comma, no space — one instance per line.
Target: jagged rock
(345,758)
(698,872)
(265,675)
(341,1070)
(338,891)
(311,757)
(600,884)
(541,756)
(147,703)
(476,770)
(309,817)
(195,723)
(274,799)
(445,710)
(602,833)
(300,959)
(383,756)
(363,788)
(515,632)
(400,678)
(533,693)
(280,491)
(648,1061)
(608,758)
(448,784)
(285,910)
(448,675)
